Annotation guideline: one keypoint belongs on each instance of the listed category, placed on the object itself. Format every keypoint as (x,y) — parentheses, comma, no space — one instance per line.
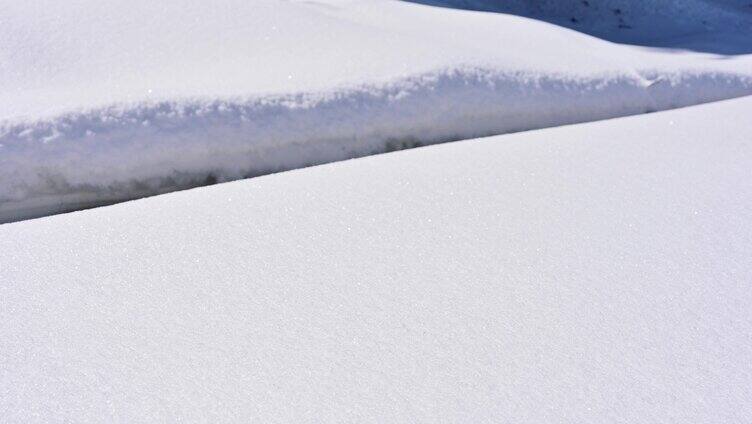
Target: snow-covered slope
(103,101)
(718,26)
(592,273)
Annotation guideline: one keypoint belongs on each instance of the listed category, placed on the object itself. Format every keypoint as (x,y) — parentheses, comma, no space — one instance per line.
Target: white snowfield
(103,101)
(596,273)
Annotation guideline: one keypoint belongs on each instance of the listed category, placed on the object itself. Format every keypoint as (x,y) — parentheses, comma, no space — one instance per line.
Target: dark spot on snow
(211,179)
(586,3)
(574,20)
(617,11)
(394,145)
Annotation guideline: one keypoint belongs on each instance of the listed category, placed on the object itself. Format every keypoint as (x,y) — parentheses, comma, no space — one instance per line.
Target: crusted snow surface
(109,101)
(591,273)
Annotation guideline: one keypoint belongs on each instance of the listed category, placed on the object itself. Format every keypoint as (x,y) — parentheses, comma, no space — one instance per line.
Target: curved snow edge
(102,156)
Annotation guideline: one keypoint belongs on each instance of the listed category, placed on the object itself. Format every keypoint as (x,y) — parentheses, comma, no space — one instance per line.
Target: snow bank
(118,153)
(109,101)
(591,273)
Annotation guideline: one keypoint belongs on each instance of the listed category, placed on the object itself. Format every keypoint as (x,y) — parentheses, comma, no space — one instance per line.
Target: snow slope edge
(121,152)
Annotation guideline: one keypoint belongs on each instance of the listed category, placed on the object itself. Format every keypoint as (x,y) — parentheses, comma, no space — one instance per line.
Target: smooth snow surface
(103,101)
(596,273)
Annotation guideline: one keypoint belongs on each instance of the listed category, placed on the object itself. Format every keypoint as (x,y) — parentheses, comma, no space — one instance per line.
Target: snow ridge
(98,156)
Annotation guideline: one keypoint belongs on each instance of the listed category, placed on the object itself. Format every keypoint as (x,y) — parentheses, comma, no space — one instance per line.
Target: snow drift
(109,101)
(118,153)
(585,274)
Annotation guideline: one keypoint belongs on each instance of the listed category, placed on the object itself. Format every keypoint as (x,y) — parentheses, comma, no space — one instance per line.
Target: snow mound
(595,273)
(109,101)
(119,153)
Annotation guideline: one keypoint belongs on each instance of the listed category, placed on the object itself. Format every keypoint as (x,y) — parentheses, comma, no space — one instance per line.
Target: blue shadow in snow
(726,31)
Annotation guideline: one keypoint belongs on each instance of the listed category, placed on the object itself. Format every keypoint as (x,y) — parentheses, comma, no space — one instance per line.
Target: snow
(108,101)
(589,273)
(717,26)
